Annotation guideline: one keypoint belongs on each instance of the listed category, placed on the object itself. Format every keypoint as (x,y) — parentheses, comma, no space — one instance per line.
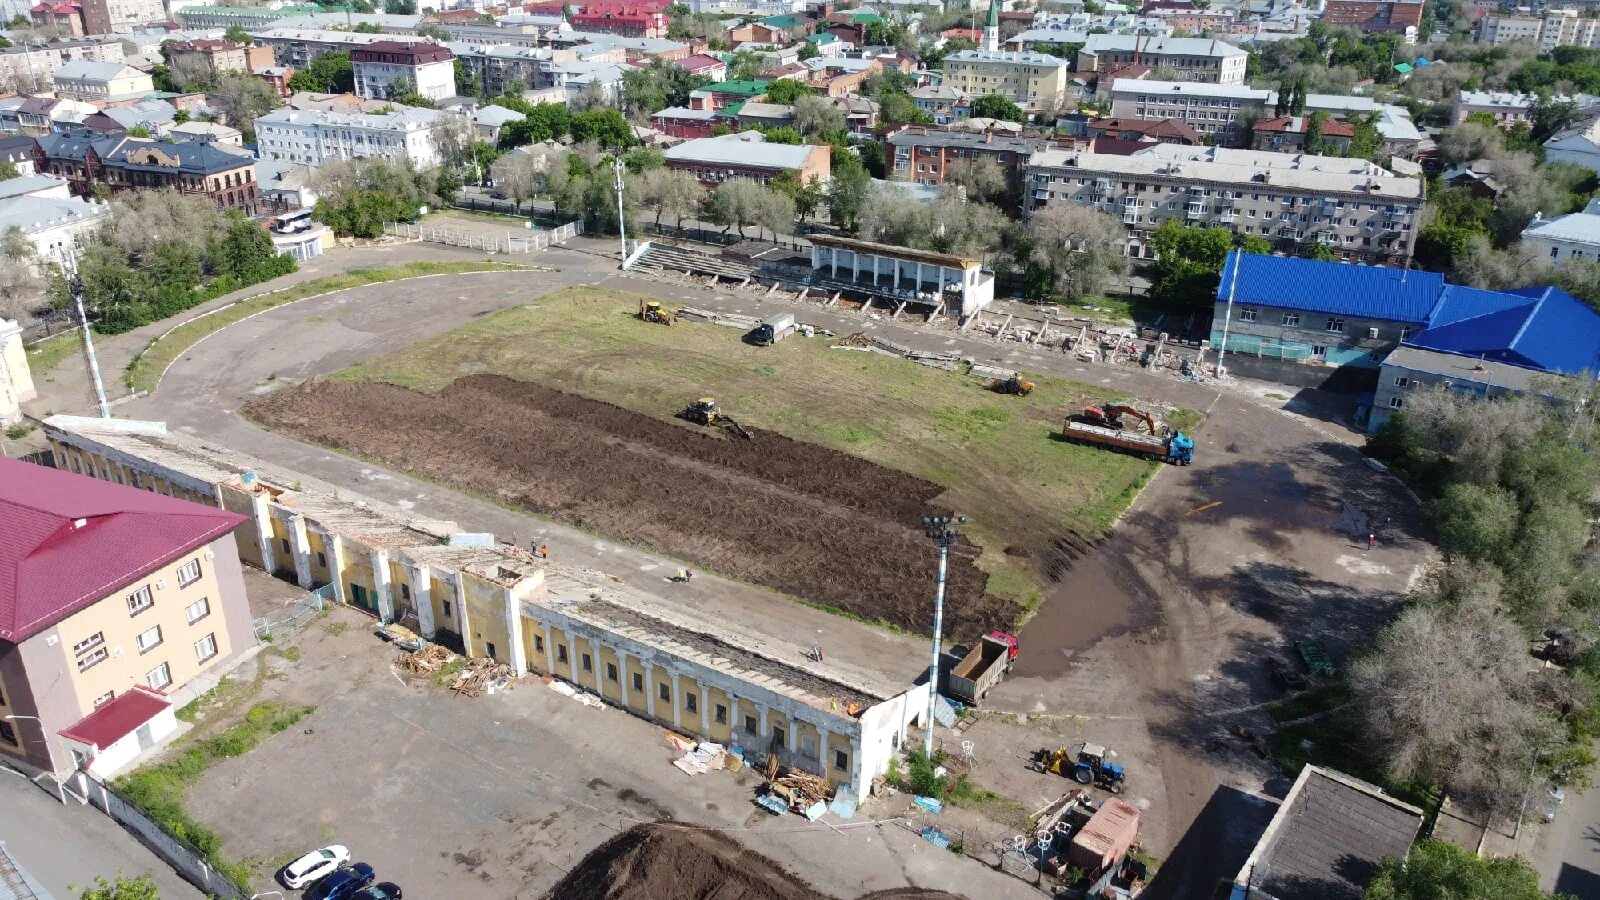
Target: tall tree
(1435,870)
(1078,247)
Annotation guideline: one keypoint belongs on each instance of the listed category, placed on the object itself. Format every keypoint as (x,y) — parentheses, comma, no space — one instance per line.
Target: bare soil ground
(681,862)
(816,523)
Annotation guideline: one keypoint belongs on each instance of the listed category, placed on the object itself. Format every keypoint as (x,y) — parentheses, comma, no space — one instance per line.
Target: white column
(383,581)
(519,653)
(677,703)
(824,752)
(650,689)
(264,538)
(462,617)
(549,650)
(300,544)
(855,266)
(622,677)
(422,597)
(896,270)
(705,711)
(763,736)
(791,737)
(599,663)
(335,545)
(918,286)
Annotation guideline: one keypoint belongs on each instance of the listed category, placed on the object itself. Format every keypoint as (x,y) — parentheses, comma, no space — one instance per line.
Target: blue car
(383,890)
(342,884)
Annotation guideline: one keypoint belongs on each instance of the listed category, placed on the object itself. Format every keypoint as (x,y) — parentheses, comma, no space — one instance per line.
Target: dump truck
(1176,448)
(982,667)
(774,329)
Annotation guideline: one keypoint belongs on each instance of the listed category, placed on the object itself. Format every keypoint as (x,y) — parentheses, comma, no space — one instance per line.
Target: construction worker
(1372,540)
(544,551)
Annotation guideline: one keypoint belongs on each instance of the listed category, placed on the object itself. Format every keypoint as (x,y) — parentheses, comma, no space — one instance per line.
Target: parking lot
(499,796)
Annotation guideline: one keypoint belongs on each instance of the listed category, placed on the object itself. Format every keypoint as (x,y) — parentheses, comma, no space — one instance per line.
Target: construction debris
(704,757)
(482,675)
(431,658)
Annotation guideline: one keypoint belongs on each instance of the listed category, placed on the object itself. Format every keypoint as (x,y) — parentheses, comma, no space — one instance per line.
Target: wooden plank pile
(480,675)
(431,658)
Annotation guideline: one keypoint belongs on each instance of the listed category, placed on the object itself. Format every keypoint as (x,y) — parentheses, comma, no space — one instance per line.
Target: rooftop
(1542,328)
(94,71)
(23,185)
(1328,837)
(1334,288)
(1165,46)
(1014,57)
(67,541)
(1220,165)
(994,141)
(1193,89)
(742,149)
(35,214)
(404,119)
(1299,124)
(1578,228)
(118,718)
(741,88)
(1462,370)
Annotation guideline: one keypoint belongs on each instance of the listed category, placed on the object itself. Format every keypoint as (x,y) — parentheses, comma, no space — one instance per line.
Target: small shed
(1105,839)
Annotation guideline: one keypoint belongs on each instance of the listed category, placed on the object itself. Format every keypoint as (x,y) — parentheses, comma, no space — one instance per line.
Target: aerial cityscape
(799,449)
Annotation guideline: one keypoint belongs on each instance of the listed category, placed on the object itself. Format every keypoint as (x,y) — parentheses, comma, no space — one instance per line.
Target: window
(322,559)
(205,648)
(588,664)
(780,738)
(691,702)
(749,724)
(611,671)
(1555,252)
(1372,334)
(841,760)
(1247,315)
(488,648)
(103,699)
(720,714)
(561,653)
(638,681)
(89,643)
(1396,402)
(444,605)
(285,543)
(159,677)
(1318,350)
(94,658)
(538,643)
(1334,325)
(1405,333)
(149,639)
(665,691)
(197,610)
(1402,381)
(8,734)
(1291,320)
(405,592)
(189,573)
(140,600)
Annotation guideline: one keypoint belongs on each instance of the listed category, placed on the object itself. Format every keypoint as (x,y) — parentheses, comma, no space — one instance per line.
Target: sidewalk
(67,388)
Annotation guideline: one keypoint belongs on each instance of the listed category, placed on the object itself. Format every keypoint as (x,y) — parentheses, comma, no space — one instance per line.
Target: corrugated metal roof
(1539,328)
(1374,292)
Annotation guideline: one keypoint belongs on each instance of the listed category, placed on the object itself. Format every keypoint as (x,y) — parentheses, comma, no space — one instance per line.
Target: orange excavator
(1109,415)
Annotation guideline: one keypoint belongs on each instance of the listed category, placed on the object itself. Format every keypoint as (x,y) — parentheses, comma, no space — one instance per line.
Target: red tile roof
(66,541)
(700,62)
(118,718)
(1297,125)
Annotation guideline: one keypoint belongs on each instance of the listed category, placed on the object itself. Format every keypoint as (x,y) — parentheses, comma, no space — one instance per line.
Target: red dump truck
(982,667)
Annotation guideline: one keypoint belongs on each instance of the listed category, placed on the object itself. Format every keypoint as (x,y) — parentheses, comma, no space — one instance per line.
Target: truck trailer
(982,667)
(774,329)
(1176,448)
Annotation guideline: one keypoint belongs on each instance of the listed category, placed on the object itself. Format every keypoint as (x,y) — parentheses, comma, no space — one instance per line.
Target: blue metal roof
(1373,292)
(1539,328)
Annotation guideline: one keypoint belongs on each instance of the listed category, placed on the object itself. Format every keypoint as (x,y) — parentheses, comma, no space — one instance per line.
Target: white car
(313,866)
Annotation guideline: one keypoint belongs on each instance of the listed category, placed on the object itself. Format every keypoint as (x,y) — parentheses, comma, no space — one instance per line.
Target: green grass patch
(159,789)
(1338,742)
(45,355)
(998,457)
(144,372)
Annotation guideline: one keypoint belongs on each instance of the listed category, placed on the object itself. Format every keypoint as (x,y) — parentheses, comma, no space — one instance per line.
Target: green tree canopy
(142,887)
(605,127)
(1437,870)
(329,73)
(994,106)
(786,91)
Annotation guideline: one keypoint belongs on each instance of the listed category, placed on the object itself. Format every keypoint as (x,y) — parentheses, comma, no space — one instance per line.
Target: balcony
(1196,210)
(1130,217)
(1227,217)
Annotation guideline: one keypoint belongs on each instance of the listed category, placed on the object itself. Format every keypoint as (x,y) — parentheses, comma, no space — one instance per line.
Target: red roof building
(117,718)
(1369,16)
(1164,131)
(704,64)
(1287,134)
(647,19)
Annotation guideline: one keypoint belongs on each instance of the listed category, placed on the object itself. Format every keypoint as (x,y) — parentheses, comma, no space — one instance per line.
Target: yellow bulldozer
(1016,384)
(653,311)
(705,411)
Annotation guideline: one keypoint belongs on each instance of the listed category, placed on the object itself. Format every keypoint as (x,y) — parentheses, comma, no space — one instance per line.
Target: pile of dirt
(831,528)
(682,862)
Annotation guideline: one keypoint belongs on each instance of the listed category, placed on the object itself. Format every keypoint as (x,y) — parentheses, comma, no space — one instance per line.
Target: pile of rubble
(482,675)
(430,659)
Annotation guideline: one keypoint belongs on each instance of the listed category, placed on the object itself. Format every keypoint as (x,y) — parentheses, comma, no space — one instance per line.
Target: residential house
(944,103)
(764,115)
(705,65)
(924,155)
(1167,131)
(1574,236)
(99,82)
(715,160)
(44,115)
(277,78)
(723,93)
(62,17)
(19,152)
(112,598)
(1578,144)
(683,122)
(488,120)
(1288,134)
(204,55)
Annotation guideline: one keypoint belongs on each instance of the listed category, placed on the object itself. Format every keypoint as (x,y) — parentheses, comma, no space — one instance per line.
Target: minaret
(991,31)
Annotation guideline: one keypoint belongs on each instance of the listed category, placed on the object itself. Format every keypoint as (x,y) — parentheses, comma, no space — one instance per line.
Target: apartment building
(1033,81)
(101,82)
(205,55)
(111,599)
(647,19)
(298,47)
(29,67)
(747,154)
(1194,59)
(428,68)
(312,137)
(1213,109)
(503,67)
(1375,16)
(1358,210)
(121,16)
(62,17)
(1555,28)
(92,163)
(924,155)
(250,18)
(661,659)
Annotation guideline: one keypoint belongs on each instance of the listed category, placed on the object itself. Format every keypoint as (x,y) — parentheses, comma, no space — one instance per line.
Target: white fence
(509,242)
(183,856)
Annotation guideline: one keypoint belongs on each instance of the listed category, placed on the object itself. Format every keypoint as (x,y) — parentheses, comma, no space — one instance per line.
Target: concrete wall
(1299,336)
(16,380)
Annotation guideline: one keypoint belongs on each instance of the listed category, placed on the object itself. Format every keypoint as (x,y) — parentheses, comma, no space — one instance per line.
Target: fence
(183,856)
(295,615)
(510,242)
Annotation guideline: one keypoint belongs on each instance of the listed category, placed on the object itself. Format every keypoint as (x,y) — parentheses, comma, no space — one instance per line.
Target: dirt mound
(801,518)
(910,893)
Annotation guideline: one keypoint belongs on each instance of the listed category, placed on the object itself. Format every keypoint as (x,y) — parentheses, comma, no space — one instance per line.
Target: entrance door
(359,596)
(142,735)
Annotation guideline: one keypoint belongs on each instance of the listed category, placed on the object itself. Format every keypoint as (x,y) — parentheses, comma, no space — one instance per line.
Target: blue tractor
(1086,764)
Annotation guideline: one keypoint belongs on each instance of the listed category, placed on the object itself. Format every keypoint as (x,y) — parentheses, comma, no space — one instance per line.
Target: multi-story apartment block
(298,47)
(1194,59)
(205,55)
(313,137)
(502,67)
(924,155)
(124,163)
(428,68)
(99,82)
(28,68)
(251,18)
(1555,28)
(1033,81)
(1213,109)
(715,160)
(1358,210)
(60,16)
(121,16)
(111,598)
(647,18)
(1375,16)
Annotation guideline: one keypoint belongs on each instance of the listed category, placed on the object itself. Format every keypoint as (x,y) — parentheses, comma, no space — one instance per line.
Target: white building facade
(313,137)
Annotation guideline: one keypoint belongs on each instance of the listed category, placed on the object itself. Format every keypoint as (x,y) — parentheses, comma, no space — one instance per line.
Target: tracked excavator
(1109,415)
(704,411)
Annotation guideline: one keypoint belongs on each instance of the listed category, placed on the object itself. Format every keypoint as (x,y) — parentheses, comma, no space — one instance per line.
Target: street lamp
(944,531)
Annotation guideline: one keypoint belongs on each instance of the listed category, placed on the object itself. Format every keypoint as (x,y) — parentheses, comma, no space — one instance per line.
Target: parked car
(313,866)
(342,884)
(383,890)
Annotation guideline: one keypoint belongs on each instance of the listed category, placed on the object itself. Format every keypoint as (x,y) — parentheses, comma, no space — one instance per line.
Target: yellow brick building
(1033,81)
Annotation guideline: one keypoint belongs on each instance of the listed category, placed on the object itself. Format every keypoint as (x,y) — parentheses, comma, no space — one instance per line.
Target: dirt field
(1033,501)
(680,862)
(803,519)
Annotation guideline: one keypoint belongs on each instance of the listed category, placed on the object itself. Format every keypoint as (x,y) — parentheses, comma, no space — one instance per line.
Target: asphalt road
(1569,859)
(67,846)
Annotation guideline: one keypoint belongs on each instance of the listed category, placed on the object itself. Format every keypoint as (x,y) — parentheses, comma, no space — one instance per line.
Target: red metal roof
(66,541)
(118,718)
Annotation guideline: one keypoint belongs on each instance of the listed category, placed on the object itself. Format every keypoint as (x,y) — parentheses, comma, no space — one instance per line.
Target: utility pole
(1227,318)
(69,264)
(944,532)
(622,225)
